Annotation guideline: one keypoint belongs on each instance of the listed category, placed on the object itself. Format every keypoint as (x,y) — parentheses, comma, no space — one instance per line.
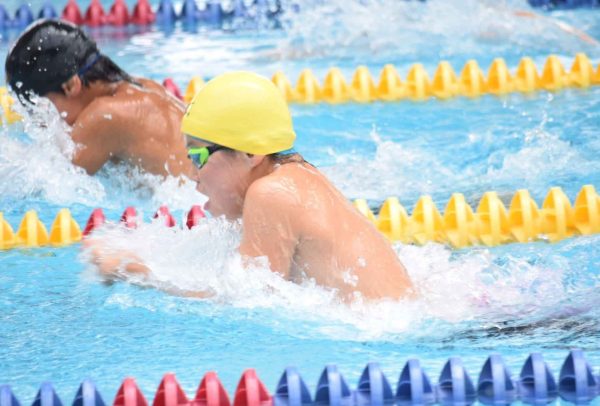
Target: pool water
(60,322)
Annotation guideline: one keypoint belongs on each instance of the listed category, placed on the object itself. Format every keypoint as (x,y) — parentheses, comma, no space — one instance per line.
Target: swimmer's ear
(255,160)
(72,87)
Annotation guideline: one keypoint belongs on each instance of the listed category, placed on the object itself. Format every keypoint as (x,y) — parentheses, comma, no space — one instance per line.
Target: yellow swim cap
(242,111)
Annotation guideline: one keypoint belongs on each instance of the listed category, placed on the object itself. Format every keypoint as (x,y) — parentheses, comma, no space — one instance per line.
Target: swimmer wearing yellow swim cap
(241,111)
(239,133)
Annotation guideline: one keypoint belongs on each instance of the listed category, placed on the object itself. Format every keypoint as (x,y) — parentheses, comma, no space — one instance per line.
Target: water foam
(539,157)
(38,163)
(36,156)
(436,28)
(454,287)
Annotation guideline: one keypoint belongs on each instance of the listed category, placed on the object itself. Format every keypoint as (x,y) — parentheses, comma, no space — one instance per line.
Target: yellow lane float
(491,224)
(417,86)
(459,226)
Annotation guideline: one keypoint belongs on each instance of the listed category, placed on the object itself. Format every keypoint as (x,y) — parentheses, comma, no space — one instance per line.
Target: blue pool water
(59,322)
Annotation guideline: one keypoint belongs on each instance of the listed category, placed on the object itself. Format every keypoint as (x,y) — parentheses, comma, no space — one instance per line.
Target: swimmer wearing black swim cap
(49,53)
(113,116)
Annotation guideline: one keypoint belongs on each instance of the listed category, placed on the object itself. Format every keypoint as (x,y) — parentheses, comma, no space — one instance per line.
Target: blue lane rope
(536,385)
(217,12)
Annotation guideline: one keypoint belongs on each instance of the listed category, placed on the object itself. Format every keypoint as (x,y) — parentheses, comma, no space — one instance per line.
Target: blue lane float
(7,398)
(47,11)
(23,16)
(576,382)
(46,396)
(88,395)
(564,4)
(536,385)
(189,12)
(291,390)
(4,18)
(495,386)
(455,386)
(373,388)
(165,15)
(332,388)
(414,386)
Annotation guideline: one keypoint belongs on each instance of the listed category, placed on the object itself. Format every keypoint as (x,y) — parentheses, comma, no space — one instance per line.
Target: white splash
(38,163)
(407,29)
(451,287)
(36,156)
(406,170)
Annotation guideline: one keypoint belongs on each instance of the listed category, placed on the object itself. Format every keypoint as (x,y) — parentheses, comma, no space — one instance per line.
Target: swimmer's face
(224,180)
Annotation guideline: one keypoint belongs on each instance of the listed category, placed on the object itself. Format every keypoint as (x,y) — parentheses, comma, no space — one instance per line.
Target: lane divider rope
(460,226)
(536,385)
(417,86)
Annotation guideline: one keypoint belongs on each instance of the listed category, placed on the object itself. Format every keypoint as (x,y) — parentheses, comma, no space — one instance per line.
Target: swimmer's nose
(199,184)
(193,174)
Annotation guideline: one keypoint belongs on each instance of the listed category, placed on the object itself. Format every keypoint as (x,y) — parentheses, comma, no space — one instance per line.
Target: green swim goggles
(199,155)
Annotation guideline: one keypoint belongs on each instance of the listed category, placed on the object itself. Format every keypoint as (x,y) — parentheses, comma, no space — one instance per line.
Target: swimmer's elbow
(137,268)
(90,166)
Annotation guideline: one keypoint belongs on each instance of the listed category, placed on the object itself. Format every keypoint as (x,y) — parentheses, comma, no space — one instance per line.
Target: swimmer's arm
(97,135)
(268,227)
(118,264)
(110,262)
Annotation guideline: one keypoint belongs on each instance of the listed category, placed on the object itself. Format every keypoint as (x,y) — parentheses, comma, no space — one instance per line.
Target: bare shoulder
(106,110)
(100,117)
(273,190)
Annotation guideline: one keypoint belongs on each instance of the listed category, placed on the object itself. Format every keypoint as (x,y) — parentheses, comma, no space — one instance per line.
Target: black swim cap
(46,55)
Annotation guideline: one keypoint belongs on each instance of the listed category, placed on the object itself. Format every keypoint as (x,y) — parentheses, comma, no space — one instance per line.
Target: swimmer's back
(337,246)
(143,122)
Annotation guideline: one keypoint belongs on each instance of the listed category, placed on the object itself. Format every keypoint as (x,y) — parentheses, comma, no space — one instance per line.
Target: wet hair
(49,53)
(282,158)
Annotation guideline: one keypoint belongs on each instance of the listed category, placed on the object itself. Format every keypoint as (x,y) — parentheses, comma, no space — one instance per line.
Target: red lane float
(142,13)
(129,217)
(194,216)
(72,13)
(96,220)
(119,14)
(95,16)
(211,392)
(129,394)
(251,391)
(172,87)
(163,211)
(169,393)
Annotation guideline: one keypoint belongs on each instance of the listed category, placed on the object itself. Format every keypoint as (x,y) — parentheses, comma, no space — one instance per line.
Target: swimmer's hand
(113,264)
(118,264)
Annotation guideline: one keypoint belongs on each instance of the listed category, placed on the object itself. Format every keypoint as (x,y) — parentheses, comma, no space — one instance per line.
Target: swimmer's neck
(98,89)
(88,95)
